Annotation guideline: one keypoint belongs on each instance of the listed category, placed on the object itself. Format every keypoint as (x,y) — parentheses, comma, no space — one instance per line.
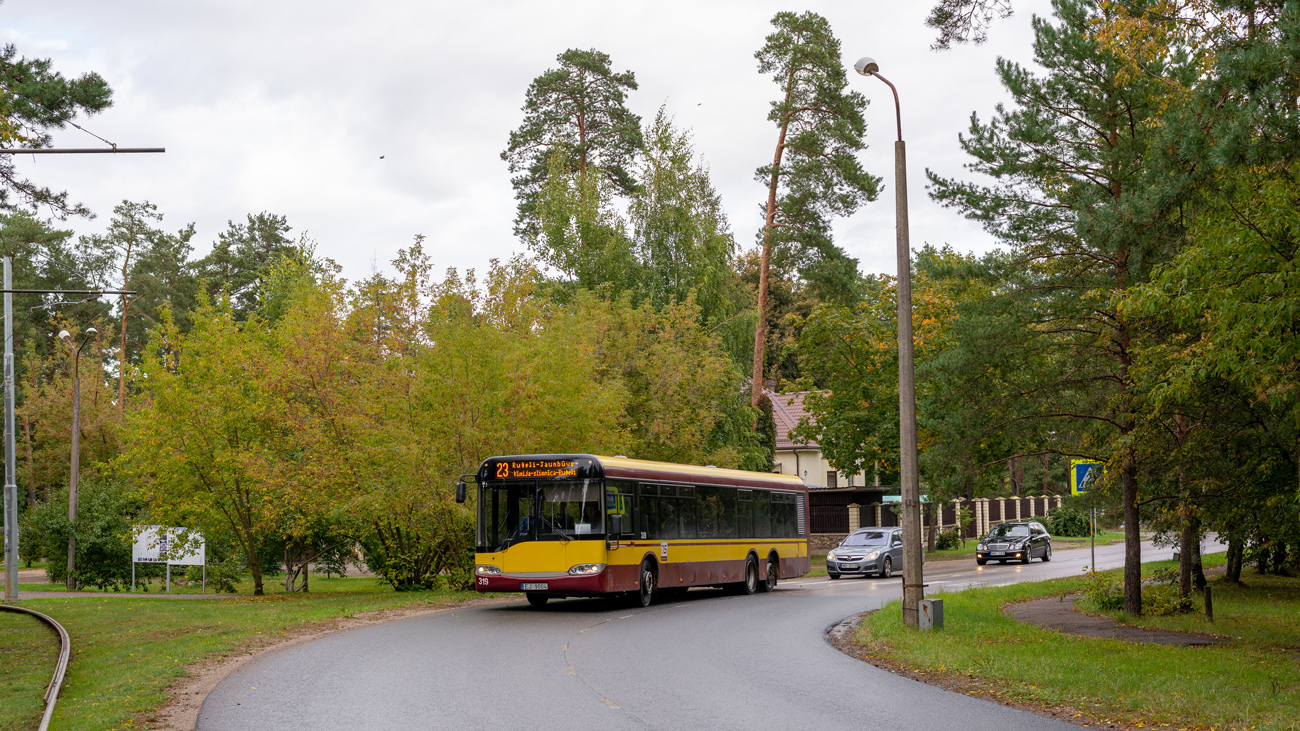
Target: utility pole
(11,487)
(909,477)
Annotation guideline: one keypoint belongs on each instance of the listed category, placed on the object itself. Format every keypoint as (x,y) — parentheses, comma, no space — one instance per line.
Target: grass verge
(126,651)
(28,652)
(1252,683)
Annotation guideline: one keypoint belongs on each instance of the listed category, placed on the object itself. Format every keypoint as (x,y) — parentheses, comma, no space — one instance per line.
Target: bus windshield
(514,512)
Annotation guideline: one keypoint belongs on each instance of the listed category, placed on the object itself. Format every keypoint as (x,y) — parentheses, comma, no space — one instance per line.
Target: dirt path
(1060,614)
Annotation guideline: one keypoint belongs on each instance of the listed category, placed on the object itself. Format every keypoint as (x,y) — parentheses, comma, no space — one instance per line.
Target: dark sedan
(1019,541)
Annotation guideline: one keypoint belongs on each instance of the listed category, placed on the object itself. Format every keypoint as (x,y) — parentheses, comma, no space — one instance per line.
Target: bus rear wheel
(646,592)
(773,573)
(537,600)
(750,585)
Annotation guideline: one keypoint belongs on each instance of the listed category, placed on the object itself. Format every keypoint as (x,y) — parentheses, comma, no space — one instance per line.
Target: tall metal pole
(76,470)
(909,478)
(11,488)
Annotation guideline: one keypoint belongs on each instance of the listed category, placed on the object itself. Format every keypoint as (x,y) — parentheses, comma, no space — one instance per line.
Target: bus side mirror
(460,492)
(616,525)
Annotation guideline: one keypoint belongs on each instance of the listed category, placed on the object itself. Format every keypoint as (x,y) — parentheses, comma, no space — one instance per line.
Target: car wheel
(646,594)
(833,576)
(981,561)
(537,600)
(1028,552)
(886,568)
(1047,553)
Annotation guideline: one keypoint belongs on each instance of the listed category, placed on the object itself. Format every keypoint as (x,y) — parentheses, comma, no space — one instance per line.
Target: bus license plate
(543,586)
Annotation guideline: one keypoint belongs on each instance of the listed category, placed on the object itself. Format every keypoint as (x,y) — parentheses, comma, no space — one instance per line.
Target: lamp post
(913,578)
(76,452)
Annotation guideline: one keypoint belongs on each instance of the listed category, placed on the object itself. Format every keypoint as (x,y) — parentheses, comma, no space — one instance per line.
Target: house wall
(816,466)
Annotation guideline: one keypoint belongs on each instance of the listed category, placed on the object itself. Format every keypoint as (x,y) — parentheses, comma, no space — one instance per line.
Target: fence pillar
(855,517)
(1017,501)
(982,516)
(877,507)
(1033,502)
(1057,500)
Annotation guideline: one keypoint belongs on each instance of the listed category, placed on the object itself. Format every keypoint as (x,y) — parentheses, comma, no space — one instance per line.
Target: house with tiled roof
(838,503)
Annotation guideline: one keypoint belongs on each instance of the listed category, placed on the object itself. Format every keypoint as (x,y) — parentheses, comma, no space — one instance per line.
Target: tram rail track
(60,668)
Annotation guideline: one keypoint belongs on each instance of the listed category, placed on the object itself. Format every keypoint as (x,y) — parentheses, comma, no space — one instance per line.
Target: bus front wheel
(646,592)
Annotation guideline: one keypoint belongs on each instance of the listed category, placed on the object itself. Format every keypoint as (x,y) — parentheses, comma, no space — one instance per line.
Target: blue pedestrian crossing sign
(1084,475)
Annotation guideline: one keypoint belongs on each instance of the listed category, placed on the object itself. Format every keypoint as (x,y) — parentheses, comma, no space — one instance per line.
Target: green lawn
(1253,682)
(28,651)
(127,651)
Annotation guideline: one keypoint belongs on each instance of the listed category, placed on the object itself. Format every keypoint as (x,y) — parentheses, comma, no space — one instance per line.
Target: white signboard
(173,546)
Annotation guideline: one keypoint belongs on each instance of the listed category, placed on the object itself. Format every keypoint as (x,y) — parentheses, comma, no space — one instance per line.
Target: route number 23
(503,470)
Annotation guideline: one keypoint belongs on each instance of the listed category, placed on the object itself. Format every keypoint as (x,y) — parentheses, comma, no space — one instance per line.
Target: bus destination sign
(557,467)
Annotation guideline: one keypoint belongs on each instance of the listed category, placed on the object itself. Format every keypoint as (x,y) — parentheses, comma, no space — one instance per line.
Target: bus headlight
(487,570)
(586,569)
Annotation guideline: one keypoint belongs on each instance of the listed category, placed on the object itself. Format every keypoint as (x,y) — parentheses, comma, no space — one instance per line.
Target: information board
(172,546)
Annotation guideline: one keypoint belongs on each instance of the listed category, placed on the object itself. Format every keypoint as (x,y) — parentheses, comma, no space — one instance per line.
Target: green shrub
(1103,591)
(105,512)
(948,540)
(1068,521)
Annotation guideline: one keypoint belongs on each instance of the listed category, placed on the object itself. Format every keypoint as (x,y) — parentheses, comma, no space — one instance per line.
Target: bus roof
(570,466)
(668,471)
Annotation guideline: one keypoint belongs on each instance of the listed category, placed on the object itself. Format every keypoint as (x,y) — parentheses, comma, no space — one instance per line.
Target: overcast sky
(287,107)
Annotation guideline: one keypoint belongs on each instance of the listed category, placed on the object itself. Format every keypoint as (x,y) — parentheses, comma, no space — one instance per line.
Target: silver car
(867,551)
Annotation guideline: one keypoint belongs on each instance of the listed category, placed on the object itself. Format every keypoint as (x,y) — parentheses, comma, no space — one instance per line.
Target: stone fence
(831,523)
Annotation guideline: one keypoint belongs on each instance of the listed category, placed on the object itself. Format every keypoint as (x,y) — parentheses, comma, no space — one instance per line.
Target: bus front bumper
(609,580)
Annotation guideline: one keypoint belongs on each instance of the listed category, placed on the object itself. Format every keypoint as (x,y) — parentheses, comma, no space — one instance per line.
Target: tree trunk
(1235,551)
(769,227)
(1188,534)
(1198,569)
(122,360)
(1132,540)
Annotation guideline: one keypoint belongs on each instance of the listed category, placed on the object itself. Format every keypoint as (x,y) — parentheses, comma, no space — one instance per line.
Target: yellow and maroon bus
(562,525)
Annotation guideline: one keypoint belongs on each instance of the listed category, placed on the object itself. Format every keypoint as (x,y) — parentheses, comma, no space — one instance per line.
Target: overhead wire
(64,119)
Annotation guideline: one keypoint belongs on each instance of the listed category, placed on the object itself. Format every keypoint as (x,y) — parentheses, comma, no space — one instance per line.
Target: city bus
(569,525)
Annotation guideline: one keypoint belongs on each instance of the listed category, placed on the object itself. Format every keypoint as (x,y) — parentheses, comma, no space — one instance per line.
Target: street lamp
(913,578)
(76,451)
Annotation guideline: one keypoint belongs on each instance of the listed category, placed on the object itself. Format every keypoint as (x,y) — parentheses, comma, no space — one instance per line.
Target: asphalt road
(707,661)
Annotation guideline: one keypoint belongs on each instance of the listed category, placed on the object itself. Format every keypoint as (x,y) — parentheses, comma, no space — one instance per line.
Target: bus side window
(762,514)
(648,511)
(727,516)
(688,510)
(745,513)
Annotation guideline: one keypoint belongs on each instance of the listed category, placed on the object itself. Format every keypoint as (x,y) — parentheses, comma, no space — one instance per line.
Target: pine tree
(1087,218)
(814,173)
(34,100)
(574,114)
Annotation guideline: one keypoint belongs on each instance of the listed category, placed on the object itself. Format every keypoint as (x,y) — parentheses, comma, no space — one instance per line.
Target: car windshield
(870,538)
(1010,531)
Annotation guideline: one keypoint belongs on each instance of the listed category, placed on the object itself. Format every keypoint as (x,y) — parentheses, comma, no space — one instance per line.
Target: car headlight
(487,570)
(586,569)
(981,547)
(872,555)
